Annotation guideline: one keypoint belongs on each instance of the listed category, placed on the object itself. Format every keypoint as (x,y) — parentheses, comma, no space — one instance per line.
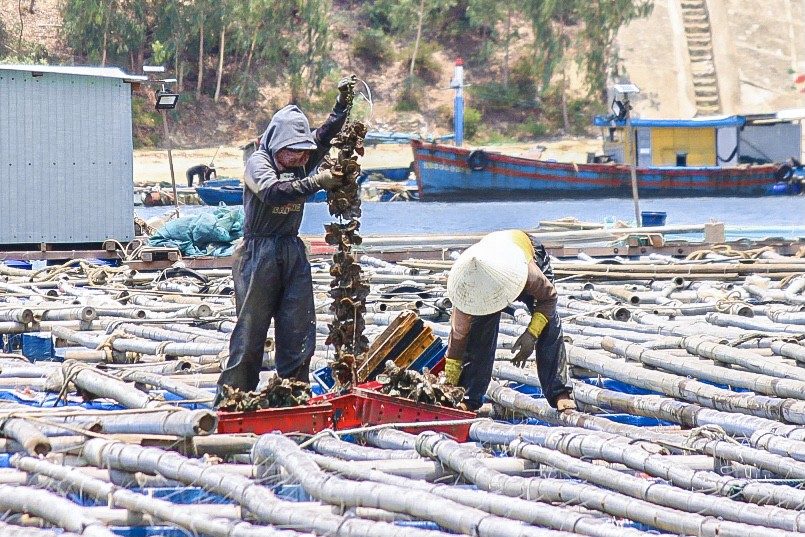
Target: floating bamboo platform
(687,367)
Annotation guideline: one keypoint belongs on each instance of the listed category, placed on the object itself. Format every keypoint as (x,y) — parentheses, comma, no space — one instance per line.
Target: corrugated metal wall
(65,159)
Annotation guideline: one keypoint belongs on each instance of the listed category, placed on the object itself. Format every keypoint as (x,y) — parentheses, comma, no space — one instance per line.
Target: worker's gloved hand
(524,347)
(452,370)
(345,86)
(527,341)
(325,180)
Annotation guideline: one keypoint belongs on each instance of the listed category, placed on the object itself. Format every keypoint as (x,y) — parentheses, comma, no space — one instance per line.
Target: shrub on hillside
(426,67)
(3,39)
(472,122)
(533,128)
(146,123)
(411,96)
(522,77)
(495,97)
(244,88)
(372,46)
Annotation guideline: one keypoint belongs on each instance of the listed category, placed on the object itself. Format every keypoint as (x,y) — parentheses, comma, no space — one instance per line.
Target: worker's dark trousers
(479,359)
(272,281)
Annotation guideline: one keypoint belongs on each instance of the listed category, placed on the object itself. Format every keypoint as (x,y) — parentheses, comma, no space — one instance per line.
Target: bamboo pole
(258,500)
(276,449)
(527,511)
(456,457)
(659,493)
(758,381)
(789,410)
(58,511)
(190,519)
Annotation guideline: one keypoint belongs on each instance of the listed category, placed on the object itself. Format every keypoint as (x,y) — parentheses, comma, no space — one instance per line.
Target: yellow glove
(452,370)
(537,324)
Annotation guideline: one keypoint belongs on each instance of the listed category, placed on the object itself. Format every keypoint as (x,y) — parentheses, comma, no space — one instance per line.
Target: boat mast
(458,103)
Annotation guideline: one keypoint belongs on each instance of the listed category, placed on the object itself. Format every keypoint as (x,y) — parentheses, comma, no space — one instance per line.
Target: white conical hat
(487,277)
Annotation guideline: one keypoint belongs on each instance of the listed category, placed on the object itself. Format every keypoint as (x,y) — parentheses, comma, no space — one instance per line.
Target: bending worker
(504,267)
(270,269)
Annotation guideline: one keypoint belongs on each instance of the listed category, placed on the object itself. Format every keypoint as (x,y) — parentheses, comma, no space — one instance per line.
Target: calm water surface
(745,217)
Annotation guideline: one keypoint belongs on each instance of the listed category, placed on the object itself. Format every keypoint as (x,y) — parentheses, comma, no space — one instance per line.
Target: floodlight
(620,110)
(153,68)
(166,101)
(626,88)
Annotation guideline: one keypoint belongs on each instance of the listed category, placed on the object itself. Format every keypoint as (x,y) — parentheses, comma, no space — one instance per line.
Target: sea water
(753,218)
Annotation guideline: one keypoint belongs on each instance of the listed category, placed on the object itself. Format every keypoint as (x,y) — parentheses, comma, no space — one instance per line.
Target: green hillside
(536,68)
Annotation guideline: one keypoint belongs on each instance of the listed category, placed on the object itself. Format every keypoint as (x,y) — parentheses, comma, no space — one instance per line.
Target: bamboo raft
(688,373)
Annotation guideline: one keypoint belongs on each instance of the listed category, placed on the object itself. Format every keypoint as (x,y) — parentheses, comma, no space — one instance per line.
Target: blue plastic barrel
(651,219)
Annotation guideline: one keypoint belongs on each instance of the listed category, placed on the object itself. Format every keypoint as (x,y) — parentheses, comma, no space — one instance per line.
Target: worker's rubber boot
(219,398)
(565,403)
(302,373)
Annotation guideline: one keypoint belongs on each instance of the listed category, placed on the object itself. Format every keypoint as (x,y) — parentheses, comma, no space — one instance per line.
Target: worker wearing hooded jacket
(270,269)
(504,267)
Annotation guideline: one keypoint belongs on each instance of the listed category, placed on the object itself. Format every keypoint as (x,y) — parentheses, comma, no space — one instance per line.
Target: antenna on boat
(622,109)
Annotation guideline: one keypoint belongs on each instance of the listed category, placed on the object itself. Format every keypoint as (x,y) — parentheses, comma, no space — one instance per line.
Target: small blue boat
(229,191)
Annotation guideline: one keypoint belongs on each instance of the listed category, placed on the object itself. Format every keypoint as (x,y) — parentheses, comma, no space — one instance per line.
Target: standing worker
(504,267)
(270,269)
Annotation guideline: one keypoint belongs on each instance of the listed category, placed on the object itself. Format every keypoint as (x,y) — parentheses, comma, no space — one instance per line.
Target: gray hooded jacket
(276,208)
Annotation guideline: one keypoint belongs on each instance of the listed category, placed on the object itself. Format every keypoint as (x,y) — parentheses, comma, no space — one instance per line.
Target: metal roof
(102,72)
(697,122)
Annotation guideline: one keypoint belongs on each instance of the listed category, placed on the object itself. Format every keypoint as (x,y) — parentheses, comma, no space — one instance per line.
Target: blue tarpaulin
(203,233)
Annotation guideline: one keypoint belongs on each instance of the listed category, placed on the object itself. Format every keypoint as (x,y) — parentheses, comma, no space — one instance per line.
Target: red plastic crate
(365,407)
(299,419)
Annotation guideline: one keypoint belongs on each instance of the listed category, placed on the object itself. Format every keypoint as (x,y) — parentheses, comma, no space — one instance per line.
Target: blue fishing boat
(715,156)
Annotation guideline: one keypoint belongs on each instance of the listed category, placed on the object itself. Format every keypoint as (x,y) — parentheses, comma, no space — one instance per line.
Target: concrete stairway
(700,48)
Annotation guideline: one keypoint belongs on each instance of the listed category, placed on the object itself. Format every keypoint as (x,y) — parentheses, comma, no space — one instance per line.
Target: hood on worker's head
(288,128)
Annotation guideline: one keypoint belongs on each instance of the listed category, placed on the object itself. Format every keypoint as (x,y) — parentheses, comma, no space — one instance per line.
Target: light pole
(166,100)
(622,110)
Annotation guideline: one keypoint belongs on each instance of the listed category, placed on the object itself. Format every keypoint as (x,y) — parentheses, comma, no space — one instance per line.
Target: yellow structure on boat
(716,141)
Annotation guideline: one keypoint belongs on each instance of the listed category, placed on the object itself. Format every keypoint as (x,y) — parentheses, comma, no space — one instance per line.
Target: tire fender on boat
(477,160)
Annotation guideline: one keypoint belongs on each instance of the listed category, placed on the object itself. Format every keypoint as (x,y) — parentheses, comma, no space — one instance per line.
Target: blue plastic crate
(324,378)
(430,357)
(37,346)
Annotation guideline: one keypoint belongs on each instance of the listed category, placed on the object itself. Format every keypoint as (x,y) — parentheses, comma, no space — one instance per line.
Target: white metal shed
(65,154)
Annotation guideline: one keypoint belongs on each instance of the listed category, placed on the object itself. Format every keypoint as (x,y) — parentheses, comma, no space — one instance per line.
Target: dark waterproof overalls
(482,340)
(270,269)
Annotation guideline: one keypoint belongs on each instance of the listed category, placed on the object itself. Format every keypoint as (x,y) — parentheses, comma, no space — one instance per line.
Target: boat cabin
(714,141)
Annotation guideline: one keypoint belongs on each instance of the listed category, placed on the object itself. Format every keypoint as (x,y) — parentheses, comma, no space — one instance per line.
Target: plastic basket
(365,407)
(299,419)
